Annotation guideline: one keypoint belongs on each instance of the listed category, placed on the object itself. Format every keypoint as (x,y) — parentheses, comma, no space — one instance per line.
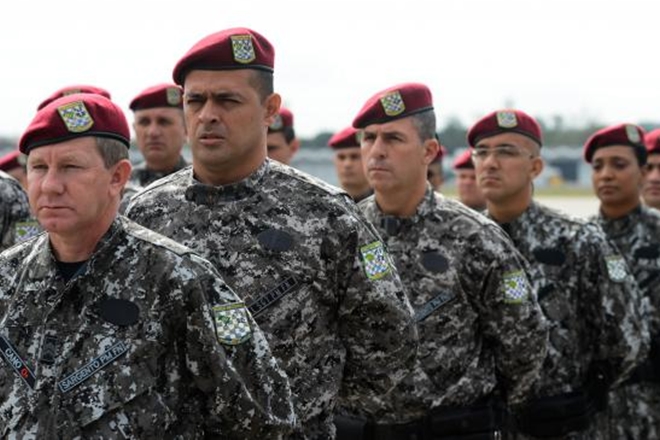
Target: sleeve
(248,394)
(512,320)
(616,307)
(376,318)
(15,208)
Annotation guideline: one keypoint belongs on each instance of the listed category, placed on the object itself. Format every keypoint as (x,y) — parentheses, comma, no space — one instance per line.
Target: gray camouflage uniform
(130,348)
(312,270)
(589,297)
(481,330)
(635,406)
(17,223)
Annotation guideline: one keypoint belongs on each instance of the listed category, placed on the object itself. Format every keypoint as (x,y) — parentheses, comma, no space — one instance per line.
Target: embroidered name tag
(18,364)
(442,298)
(264,301)
(93,367)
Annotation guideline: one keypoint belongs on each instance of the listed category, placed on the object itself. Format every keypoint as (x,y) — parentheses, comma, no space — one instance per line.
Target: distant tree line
(453,135)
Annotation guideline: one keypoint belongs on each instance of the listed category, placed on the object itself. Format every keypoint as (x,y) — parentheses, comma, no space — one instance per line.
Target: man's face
(468,191)
(160,134)
(70,190)
(616,176)
(505,166)
(348,163)
(279,149)
(394,157)
(651,189)
(227,123)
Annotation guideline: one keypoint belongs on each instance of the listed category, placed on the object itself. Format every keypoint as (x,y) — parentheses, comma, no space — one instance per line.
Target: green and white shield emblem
(616,268)
(393,103)
(76,117)
(515,287)
(376,263)
(242,48)
(231,323)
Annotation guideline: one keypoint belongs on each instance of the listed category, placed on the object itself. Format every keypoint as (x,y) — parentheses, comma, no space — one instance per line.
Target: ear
(273,103)
(121,172)
(431,148)
(537,166)
(295,145)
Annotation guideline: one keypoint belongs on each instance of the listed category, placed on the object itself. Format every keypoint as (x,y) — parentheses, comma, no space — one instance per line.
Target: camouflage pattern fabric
(588,295)
(481,330)
(130,347)
(16,221)
(313,272)
(635,407)
(143,176)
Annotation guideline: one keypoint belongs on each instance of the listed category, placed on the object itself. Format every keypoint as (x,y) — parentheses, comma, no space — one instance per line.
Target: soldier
(651,189)
(106,330)
(482,334)
(617,156)
(70,90)
(312,270)
(582,282)
(282,141)
(466,182)
(348,163)
(13,163)
(16,221)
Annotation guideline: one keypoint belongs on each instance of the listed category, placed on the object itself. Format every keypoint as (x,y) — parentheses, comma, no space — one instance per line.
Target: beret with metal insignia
(346,138)
(463,161)
(74,116)
(619,134)
(12,160)
(70,90)
(235,48)
(652,141)
(282,121)
(503,121)
(394,103)
(161,95)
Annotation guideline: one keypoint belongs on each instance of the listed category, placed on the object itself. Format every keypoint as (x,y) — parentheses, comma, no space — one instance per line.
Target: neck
(614,211)
(511,209)
(226,174)
(357,191)
(401,202)
(76,247)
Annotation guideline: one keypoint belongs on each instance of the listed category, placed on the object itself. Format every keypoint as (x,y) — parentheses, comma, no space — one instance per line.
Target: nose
(51,183)
(153,129)
(207,113)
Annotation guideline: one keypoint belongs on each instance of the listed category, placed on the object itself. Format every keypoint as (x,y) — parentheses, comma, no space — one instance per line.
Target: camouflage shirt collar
(204,194)
(617,227)
(394,225)
(144,176)
(528,216)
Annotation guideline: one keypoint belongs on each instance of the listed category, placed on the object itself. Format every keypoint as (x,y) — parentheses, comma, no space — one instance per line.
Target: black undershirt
(68,270)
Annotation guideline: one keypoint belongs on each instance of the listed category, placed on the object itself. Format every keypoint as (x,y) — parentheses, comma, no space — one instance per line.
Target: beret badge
(393,103)
(506,119)
(76,117)
(173,96)
(242,48)
(278,123)
(633,134)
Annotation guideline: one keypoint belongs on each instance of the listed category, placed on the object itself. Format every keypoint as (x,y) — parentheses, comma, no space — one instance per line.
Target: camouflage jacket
(637,236)
(312,270)
(480,328)
(586,292)
(16,222)
(142,176)
(130,347)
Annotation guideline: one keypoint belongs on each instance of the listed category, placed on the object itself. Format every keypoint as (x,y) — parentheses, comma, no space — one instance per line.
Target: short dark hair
(263,83)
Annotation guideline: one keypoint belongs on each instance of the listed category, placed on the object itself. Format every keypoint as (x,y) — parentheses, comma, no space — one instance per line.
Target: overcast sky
(587,60)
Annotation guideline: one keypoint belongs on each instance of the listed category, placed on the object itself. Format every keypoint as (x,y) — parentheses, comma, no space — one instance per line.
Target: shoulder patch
(514,287)
(26,230)
(616,268)
(232,326)
(376,262)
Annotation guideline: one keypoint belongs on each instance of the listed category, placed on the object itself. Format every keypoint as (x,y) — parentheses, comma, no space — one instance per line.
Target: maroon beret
(347,138)
(464,160)
(283,120)
(620,134)
(394,103)
(12,160)
(652,141)
(70,90)
(74,116)
(161,95)
(504,121)
(236,48)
